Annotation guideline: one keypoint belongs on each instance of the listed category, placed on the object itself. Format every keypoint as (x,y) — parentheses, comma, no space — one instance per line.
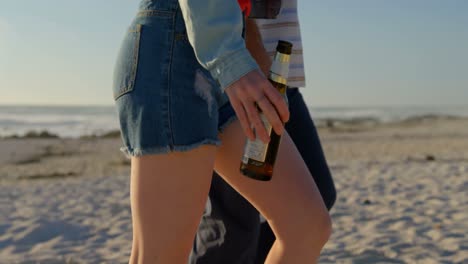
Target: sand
(402,196)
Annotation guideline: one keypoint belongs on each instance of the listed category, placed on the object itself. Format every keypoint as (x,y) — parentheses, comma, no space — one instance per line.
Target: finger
(243,119)
(255,121)
(272,116)
(277,101)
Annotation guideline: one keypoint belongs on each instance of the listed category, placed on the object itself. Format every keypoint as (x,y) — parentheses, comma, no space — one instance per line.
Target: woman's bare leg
(168,194)
(290,201)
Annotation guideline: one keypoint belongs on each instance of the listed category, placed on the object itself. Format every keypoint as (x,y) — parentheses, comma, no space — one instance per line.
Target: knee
(318,229)
(311,228)
(325,228)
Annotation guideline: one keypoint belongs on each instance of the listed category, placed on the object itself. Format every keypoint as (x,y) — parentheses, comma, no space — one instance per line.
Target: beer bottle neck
(279,70)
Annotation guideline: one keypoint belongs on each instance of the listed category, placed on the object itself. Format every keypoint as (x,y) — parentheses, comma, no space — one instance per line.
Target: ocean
(76,121)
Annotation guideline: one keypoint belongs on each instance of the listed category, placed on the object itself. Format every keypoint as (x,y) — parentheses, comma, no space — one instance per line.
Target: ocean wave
(96,121)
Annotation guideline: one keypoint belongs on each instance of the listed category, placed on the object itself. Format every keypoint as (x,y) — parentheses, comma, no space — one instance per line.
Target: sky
(357,53)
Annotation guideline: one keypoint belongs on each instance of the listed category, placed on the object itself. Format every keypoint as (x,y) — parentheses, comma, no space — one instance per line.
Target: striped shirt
(285,27)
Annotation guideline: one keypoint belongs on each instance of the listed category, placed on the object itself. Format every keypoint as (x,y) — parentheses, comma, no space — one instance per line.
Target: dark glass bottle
(259,158)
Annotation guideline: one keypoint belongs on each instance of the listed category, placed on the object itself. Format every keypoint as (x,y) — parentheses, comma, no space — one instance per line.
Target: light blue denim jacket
(214,29)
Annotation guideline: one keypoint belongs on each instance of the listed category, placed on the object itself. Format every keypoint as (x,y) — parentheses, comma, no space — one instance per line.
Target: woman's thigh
(168,194)
(290,195)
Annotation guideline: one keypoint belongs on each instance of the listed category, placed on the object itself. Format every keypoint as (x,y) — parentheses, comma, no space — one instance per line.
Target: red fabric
(245,6)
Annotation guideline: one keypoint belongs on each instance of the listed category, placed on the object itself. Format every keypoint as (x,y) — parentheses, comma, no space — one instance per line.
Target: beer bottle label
(256,149)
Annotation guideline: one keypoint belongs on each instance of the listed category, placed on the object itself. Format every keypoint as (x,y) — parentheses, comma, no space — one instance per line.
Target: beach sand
(402,196)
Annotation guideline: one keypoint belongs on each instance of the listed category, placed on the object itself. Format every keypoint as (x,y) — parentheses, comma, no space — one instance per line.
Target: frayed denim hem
(138,152)
(227,123)
(215,142)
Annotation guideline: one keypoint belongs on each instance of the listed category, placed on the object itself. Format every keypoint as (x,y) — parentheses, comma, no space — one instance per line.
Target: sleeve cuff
(232,67)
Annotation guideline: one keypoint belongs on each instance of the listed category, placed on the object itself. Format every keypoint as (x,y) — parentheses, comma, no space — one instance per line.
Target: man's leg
(229,229)
(304,134)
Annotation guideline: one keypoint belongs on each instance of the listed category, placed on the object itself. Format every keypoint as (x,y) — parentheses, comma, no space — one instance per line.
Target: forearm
(214,29)
(255,46)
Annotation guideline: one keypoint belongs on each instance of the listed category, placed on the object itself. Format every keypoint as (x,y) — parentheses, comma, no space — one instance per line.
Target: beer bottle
(259,158)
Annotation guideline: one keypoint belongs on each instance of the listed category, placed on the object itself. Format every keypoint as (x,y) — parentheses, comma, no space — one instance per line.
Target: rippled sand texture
(402,194)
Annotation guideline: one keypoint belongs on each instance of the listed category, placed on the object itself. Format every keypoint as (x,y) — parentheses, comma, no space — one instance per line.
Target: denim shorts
(166,100)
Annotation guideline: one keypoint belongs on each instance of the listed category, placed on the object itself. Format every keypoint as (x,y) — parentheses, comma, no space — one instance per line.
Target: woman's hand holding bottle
(255,88)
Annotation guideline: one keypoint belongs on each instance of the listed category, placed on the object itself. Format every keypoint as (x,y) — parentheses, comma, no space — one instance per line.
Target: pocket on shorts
(126,66)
